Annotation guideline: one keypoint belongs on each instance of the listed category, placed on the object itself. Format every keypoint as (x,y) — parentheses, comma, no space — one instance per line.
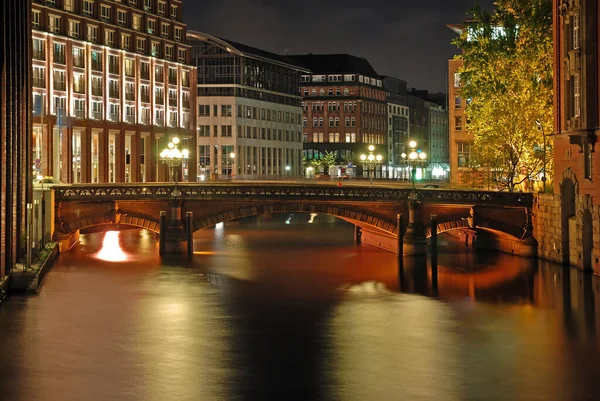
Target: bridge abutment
(174,237)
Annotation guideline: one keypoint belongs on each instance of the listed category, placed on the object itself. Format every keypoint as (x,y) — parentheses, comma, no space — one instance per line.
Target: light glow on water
(111,250)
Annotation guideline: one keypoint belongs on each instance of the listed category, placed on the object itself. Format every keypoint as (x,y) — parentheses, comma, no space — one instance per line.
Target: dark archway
(567,206)
(588,240)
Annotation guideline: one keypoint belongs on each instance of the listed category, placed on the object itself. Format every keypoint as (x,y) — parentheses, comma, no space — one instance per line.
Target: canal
(287,307)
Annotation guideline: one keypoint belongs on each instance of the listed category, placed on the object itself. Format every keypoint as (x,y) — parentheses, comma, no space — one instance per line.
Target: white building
(249,119)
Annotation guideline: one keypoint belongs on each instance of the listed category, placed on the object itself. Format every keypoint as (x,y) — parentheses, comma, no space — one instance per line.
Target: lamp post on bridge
(173,157)
(415,239)
(413,159)
(371,161)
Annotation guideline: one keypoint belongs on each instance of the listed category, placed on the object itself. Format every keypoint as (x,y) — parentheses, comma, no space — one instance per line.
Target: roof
(336,64)
(244,50)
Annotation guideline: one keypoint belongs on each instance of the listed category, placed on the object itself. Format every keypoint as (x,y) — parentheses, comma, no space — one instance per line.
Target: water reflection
(111,250)
(269,310)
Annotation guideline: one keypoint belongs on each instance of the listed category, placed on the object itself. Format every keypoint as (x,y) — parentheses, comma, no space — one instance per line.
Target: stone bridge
(497,220)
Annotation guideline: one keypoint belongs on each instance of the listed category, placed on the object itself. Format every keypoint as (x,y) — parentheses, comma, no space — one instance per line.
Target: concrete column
(415,242)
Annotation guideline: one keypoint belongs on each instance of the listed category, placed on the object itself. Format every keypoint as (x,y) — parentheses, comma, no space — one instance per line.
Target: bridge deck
(293,191)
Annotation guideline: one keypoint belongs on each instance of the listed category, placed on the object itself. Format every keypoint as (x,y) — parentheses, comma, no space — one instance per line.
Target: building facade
(344,108)
(112,83)
(460,142)
(397,124)
(567,222)
(248,110)
(439,152)
(15,126)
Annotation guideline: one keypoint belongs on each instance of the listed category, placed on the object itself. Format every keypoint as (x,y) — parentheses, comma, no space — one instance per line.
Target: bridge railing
(286,191)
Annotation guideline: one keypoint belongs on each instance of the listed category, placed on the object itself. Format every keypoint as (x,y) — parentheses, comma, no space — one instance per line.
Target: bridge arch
(352,216)
(126,220)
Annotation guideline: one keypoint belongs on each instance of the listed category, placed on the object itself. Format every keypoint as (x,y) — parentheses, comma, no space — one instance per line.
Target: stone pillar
(175,240)
(400,234)
(357,234)
(415,241)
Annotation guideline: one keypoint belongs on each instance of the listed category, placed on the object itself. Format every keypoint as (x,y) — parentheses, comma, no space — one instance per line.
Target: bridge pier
(173,236)
(415,239)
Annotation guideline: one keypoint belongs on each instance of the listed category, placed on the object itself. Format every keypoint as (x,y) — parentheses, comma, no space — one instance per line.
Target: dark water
(276,311)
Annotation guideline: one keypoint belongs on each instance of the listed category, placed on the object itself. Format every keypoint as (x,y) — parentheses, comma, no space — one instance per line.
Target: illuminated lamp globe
(171,145)
(422,155)
(371,158)
(371,148)
(363,157)
(403,155)
(379,158)
(175,140)
(413,156)
(232,155)
(185,153)
(412,144)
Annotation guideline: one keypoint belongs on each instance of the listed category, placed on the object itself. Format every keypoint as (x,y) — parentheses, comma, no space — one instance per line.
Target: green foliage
(328,159)
(507,81)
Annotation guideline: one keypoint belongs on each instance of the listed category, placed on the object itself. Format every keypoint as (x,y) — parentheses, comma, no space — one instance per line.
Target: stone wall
(547,226)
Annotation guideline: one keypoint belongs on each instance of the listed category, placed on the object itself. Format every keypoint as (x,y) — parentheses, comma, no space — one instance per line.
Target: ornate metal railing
(286,191)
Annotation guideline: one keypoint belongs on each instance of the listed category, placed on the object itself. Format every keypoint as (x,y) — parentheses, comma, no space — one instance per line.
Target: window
(38,49)
(97,110)
(159,95)
(458,123)
(226,130)
(121,17)
(125,41)
(78,83)
(162,8)
(96,86)
(204,110)
(53,24)
(164,30)
(174,12)
(226,110)
(145,70)
(457,102)
(159,75)
(182,55)
(130,114)
(113,89)
(178,34)
(141,45)
(109,37)
(129,67)
(456,80)
(79,108)
(137,22)
(59,53)
(130,91)
(173,119)
(96,61)
(92,33)
(159,117)
(151,26)
(74,27)
(464,153)
(155,50)
(88,8)
(204,130)
(576,95)
(68,5)
(172,97)
(39,77)
(113,114)
(35,19)
(105,13)
(169,52)
(576,31)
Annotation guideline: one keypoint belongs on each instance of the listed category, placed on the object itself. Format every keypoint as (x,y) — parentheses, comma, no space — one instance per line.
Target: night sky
(407,39)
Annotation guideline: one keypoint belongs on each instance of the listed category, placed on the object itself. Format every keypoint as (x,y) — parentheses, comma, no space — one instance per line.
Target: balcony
(159,100)
(78,62)
(173,79)
(160,122)
(159,77)
(113,117)
(97,115)
(113,93)
(113,68)
(59,57)
(173,102)
(130,72)
(39,82)
(80,114)
(130,96)
(145,74)
(96,91)
(146,120)
(97,65)
(130,119)
(173,123)
(145,98)
(185,104)
(60,86)
(79,88)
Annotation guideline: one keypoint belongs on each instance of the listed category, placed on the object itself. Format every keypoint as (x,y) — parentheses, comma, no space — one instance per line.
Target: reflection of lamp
(371,161)
(414,158)
(173,157)
(231,158)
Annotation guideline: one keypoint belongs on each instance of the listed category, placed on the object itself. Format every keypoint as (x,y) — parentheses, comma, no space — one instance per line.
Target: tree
(328,160)
(506,79)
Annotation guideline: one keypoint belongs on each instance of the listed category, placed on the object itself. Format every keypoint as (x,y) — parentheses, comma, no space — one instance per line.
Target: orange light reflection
(111,248)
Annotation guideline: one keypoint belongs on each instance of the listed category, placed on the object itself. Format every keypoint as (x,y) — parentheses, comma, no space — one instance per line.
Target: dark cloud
(407,39)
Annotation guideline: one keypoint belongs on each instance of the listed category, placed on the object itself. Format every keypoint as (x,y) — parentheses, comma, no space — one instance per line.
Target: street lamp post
(371,161)
(173,158)
(414,158)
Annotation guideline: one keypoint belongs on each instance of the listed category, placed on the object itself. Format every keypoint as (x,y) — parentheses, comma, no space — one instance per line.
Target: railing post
(163,232)
(190,232)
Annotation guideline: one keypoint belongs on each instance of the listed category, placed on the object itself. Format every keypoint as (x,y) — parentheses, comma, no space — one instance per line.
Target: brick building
(112,83)
(567,223)
(344,107)
(15,126)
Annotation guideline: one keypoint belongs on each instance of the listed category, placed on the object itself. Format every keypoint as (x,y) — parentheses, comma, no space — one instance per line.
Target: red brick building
(344,107)
(568,222)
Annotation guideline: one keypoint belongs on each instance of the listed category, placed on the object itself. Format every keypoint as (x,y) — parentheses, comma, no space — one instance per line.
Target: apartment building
(249,120)
(112,83)
(344,107)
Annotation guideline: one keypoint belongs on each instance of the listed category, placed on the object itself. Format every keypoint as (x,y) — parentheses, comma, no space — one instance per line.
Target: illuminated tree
(507,80)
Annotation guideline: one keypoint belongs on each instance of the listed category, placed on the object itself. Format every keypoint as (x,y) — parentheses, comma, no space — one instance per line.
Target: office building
(112,83)
(248,110)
